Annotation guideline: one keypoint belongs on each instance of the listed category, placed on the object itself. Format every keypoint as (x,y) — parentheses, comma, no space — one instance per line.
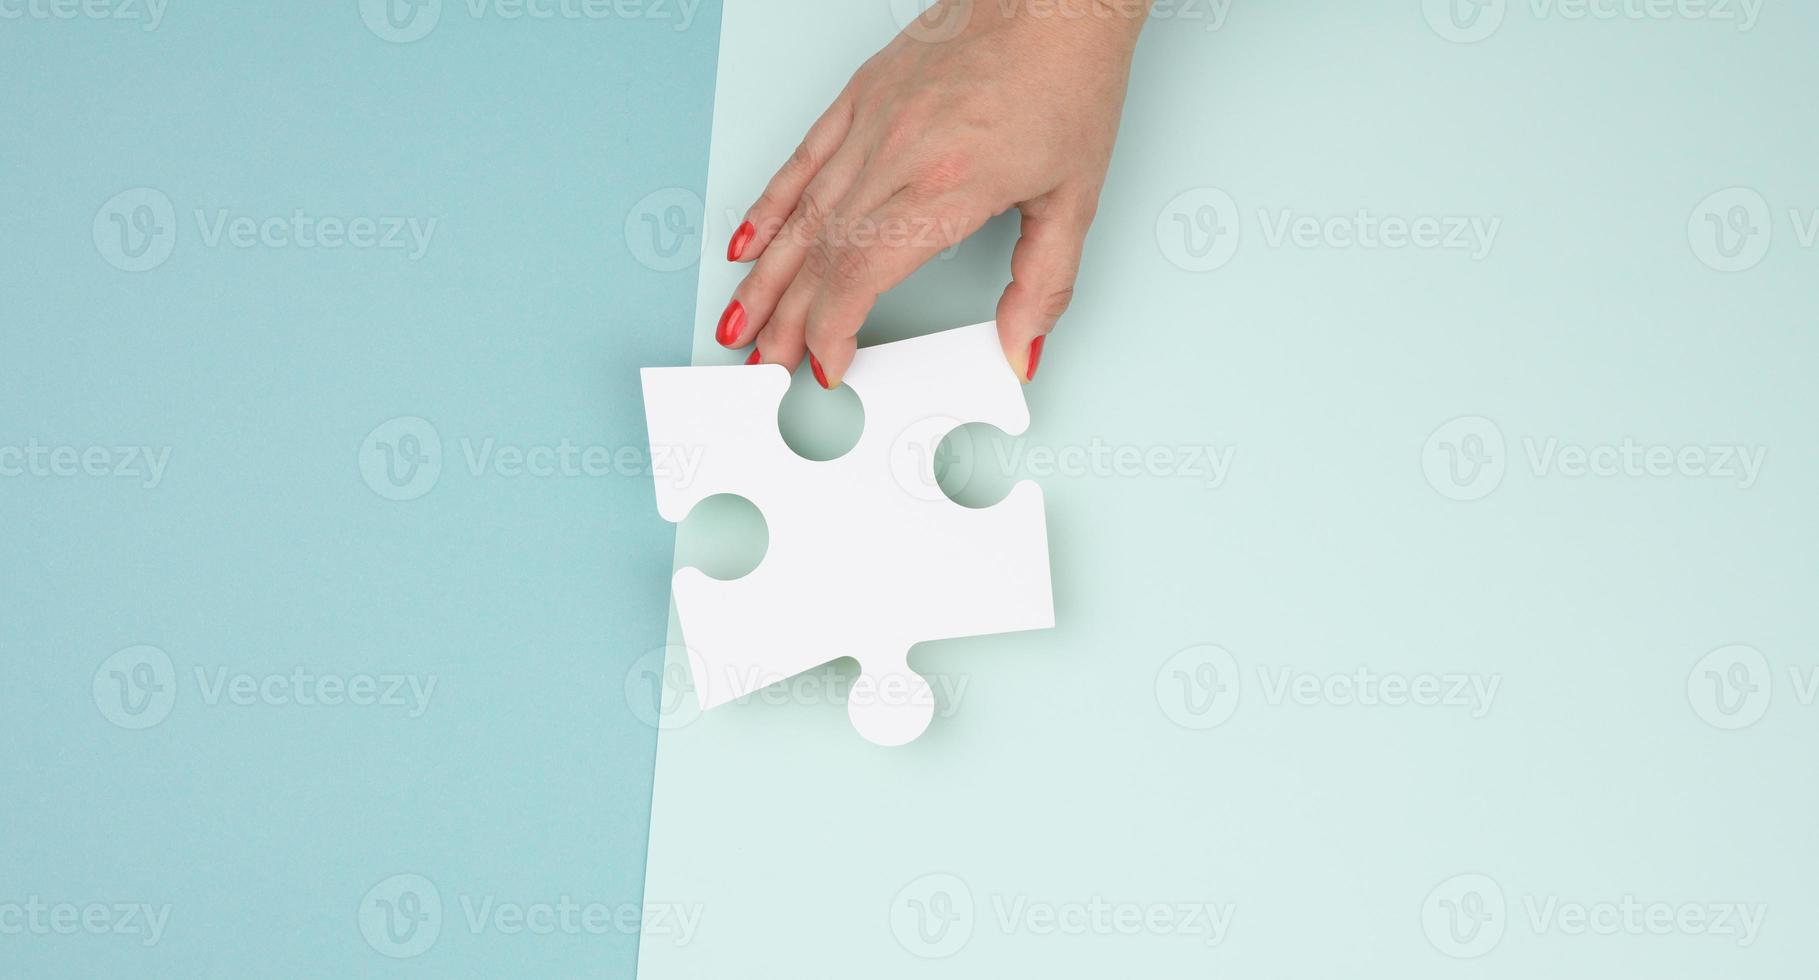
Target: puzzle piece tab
(867,556)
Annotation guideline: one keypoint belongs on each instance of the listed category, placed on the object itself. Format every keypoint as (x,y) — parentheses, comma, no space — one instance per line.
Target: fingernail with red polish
(820,375)
(731,322)
(1035,357)
(735,249)
(754,358)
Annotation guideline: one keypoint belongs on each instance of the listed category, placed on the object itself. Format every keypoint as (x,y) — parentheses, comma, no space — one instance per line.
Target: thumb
(1043,266)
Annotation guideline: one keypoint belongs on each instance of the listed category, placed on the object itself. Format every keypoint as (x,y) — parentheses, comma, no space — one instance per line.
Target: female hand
(975,108)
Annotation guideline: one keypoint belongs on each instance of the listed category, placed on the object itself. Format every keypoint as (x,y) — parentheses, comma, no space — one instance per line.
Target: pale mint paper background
(1632,771)
(282,839)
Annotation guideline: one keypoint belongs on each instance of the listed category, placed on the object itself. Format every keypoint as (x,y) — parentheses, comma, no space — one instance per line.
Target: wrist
(1118,21)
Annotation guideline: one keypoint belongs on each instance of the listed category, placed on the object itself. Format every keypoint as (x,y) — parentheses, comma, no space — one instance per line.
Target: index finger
(869,257)
(767,215)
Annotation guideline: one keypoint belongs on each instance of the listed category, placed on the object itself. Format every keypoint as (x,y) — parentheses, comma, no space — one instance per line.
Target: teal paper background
(1161,747)
(527,599)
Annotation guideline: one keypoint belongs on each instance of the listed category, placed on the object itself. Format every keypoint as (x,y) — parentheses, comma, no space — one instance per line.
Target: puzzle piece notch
(866,556)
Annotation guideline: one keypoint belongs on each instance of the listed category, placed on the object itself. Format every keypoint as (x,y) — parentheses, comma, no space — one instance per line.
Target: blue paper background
(535,144)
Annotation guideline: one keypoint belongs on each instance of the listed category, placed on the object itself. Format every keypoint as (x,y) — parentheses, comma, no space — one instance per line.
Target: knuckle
(1055,302)
(841,268)
(851,268)
(943,173)
(900,135)
(819,261)
(802,158)
(811,212)
(767,217)
(894,141)
(827,334)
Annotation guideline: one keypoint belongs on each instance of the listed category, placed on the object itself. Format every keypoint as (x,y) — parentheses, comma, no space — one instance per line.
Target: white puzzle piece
(867,556)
